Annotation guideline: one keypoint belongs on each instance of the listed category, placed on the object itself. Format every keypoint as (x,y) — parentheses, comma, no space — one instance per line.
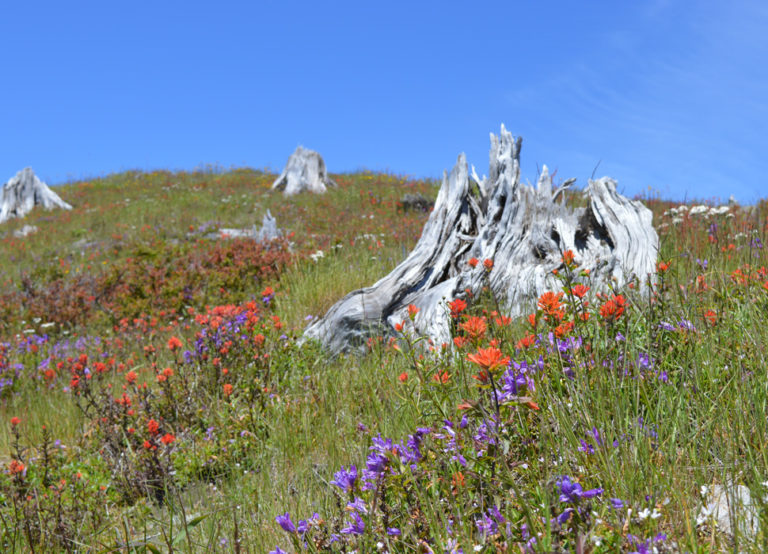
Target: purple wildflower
(573,492)
(345,479)
(565,516)
(357,506)
(487,526)
(285,522)
(357,527)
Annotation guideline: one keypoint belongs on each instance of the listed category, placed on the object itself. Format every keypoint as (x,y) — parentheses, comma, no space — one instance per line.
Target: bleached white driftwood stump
(25,191)
(524,230)
(305,170)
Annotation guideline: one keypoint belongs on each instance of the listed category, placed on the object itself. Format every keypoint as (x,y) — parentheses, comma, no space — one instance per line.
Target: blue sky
(662,94)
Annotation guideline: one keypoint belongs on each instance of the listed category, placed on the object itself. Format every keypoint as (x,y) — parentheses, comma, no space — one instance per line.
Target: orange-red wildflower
(711,316)
(457,306)
(503,321)
(526,342)
(613,308)
(550,303)
(563,329)
(568,258)
(443,377)
(460,342)
(579,291)
(153,426)
(488,358)
(532,320)
(174,343)
(475,327)
(16,467)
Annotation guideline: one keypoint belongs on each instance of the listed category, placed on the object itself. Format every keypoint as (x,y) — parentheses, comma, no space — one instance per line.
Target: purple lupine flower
(278,550)
(586,447)
(573,492)
(302,527)
(494,511)
(393,531)
(285,522)
(358,505)
(356,527)
(459,458)
(487,526)
(666,326)
(686,325)
(345,479)
(512,384)
(617,503)
(565,516)
(412,453)
(377,461)
(485,431)
(596,436)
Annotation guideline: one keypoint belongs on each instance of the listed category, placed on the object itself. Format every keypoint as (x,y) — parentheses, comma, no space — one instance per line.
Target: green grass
(296,416)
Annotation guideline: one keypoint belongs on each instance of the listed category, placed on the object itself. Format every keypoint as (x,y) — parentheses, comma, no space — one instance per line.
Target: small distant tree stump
(305,170)
(416,202)
(25,191)
(267,232)
(523,229)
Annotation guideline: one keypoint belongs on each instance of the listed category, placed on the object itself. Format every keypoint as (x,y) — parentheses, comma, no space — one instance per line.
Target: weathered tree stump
(25,191)
(267,232)
(416,202)
(305,170)
(524,230)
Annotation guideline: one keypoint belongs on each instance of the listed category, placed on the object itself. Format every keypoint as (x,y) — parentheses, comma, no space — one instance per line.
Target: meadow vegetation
(155,395)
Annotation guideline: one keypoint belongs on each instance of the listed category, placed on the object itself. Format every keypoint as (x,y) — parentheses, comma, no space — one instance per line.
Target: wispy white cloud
(681,100)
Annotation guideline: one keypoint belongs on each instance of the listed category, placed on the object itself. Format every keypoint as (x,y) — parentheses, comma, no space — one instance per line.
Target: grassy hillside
(155,398)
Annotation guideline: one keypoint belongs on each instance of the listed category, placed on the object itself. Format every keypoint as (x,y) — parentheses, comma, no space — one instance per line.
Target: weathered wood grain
(523,229)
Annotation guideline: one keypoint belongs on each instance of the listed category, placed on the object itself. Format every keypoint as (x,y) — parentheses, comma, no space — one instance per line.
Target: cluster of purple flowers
(572,493)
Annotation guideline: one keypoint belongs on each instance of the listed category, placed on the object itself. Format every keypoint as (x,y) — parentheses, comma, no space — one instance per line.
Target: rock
(267,232)
(25,231)
(416,202)
(25,191)
(731,509)
(305,170)
(523,230)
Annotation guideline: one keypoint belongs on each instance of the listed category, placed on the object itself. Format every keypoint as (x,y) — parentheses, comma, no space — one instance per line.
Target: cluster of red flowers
(613,309)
